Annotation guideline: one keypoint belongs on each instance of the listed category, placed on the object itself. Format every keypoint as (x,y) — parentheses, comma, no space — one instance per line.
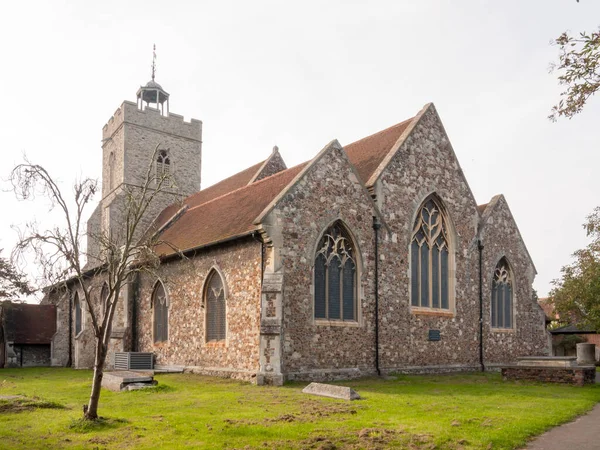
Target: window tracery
(335,276)
(430,258)
(163,164)
(502,296)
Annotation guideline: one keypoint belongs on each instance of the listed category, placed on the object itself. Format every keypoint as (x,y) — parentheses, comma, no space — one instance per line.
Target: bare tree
(58,251)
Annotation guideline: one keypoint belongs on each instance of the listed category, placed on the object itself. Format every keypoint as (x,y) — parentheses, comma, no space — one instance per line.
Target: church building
(371,258)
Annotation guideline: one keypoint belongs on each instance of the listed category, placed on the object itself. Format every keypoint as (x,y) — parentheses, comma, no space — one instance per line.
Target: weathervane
(153,62)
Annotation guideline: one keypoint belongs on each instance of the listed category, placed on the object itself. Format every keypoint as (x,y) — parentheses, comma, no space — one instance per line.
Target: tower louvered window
(335,276)
(161,313)
(163,164)
(216,322)
(430,258)
(502,296)
(78,315)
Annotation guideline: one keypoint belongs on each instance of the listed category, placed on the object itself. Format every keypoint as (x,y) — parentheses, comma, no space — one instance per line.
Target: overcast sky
(299,74)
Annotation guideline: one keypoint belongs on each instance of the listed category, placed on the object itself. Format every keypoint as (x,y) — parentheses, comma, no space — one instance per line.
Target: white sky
(299,74)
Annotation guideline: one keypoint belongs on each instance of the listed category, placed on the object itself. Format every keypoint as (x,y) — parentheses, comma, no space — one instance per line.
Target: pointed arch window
(430,258)
(103,297)
(161,313)
(335,276)
(214,299)
(111,171)
(163,165)
(502,296)
(78,315)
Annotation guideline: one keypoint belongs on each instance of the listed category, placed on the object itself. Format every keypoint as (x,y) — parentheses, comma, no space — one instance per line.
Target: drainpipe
(376,227)
(135,291)
(480,248)
(70,360)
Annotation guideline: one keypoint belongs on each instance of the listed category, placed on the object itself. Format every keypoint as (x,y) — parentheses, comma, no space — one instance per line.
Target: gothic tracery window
(161,313)
(335,276)
(430,258)
(214,299)
(163,164)
(502,296)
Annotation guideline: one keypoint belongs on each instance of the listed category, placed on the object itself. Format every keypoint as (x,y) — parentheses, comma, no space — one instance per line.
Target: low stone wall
(576,376)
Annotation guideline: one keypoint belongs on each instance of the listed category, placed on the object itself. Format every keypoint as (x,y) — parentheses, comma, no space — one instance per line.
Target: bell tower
(141,137)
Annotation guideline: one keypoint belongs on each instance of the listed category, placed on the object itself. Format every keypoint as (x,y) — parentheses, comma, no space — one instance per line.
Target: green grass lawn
(189,411)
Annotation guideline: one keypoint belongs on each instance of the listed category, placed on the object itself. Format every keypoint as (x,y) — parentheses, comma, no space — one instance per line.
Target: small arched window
(335,276)
(161,313)
(104,297)
(78,314)
(163,165)
(216,312)
(502,296)
(111,171)
(430,258)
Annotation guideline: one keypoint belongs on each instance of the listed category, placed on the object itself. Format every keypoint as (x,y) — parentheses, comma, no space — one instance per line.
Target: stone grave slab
(120,380)
(330,390)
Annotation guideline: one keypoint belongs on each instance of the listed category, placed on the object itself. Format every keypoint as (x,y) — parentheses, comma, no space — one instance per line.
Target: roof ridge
(259,164)
(381,131)
(256,183)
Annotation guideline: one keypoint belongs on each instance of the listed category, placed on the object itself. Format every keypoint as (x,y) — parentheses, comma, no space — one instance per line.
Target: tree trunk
(99,360)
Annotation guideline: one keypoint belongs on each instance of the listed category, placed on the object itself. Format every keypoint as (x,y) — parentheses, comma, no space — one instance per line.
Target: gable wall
(240,264)
(328,191)
(501,237)
(424,164)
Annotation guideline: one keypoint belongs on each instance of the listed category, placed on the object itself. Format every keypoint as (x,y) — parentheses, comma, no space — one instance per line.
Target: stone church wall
(328,191)
(426,164)
(240,264)
(501,238)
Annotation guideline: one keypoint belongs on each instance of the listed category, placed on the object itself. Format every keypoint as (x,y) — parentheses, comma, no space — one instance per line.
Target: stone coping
(515,366)
(547,358)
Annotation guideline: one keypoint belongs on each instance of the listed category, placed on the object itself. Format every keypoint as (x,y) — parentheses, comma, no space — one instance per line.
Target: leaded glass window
(78,315)
(161,313)
(335,276)
(430,258)
(163,164)
(502,296)
(216,320)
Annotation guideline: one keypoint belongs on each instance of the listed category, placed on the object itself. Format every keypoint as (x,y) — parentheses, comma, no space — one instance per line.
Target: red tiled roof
(29,324)
(368,153)
(232,183)
(224,217)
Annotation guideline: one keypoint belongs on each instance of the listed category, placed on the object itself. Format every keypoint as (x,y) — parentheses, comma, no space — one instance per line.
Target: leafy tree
(60,255)
(579,71)
(576,294)
(12,283)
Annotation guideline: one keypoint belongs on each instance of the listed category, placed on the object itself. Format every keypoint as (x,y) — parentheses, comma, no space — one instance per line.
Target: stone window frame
(215,270)
(511,272)
(111,171)
(359,321)
(77,305)
(451,242)
(153,307)
(104,290)
(163,164)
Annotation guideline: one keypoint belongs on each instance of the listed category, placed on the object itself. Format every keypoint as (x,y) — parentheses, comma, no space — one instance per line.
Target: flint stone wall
(312,349)
(576,376)
(528,336)
(240,265)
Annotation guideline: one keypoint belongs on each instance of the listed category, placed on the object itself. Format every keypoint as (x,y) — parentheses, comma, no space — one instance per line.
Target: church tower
(139,137)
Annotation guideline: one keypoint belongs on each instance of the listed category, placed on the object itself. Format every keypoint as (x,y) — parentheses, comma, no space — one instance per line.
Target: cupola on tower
(145,135)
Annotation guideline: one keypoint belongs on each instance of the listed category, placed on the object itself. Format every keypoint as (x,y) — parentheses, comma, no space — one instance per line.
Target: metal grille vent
(134,361)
